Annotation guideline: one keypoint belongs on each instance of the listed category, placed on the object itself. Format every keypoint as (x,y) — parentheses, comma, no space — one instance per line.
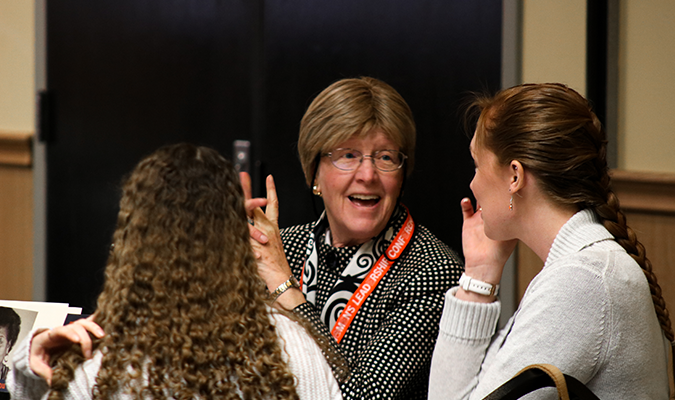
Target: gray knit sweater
(589,312)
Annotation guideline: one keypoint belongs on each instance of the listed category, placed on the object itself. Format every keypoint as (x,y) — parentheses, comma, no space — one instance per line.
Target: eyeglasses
(350,159)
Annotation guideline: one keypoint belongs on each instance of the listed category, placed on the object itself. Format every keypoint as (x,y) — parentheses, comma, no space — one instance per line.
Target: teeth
(364,197)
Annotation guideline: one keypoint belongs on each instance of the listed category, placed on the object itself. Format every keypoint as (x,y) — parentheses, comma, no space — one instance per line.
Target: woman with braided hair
(595,310)
(185,313)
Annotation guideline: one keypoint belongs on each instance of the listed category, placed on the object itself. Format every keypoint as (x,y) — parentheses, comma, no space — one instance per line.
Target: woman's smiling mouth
(364,200)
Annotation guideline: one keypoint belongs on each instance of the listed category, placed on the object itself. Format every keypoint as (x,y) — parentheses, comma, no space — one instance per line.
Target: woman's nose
(366,169)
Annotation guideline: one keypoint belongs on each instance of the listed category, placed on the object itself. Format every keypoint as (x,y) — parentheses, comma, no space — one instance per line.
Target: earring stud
(316,191)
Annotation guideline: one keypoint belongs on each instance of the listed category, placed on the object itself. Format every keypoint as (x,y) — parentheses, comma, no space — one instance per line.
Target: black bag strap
(537,376)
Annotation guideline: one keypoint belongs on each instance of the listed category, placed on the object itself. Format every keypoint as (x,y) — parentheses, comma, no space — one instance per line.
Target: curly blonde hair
(185,311)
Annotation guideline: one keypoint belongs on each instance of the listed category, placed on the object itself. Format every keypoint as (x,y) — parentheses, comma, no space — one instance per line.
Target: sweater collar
(579,232)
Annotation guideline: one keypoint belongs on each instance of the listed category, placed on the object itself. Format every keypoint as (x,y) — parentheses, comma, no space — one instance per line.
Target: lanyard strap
(374,277)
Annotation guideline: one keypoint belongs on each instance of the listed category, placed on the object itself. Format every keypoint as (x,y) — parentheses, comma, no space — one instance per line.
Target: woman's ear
(316,189)
(517,176)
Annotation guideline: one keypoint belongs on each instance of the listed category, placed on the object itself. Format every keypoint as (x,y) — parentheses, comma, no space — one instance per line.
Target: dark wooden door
(127,76)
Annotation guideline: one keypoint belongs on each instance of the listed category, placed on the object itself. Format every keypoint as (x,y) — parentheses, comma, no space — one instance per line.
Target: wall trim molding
(16,148)
(645,191)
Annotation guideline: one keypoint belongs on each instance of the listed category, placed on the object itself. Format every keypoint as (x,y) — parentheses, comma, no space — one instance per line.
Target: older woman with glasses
(365,275)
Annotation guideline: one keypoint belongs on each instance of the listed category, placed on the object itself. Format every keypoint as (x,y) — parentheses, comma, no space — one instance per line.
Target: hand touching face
(490,187)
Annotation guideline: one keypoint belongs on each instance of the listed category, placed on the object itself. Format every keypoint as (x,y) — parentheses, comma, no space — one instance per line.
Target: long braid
(614,220)
(609,210)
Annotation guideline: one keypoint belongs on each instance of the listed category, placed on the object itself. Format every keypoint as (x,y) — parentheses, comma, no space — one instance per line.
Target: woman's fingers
(467,208)
(257,235)
(484,258)
(251,205)
(39,358)
(45,343)
(82,327)
(40,366)
(245,179)
(77,332)
(272,210)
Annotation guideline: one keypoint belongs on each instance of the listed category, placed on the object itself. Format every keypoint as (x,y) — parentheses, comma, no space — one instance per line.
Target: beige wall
(554,42)
(17,109)
(646,125)
(554,47)
(554,50)
(17,65)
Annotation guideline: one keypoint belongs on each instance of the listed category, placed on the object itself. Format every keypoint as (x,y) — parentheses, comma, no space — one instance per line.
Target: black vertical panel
(432,52)
(127,76)
(596,56)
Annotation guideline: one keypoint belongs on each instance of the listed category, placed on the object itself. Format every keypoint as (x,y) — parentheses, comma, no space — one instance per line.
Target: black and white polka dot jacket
(390,341)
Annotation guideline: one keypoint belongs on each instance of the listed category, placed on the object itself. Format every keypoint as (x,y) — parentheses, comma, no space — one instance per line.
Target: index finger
(272,209)
(245,179)
(78,332)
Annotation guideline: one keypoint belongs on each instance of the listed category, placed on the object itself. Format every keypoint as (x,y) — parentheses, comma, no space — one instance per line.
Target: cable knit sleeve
(314,376)
(466,329)
(22,382)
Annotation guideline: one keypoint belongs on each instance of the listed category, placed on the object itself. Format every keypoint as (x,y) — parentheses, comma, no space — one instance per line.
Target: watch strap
(291,282)
(474,285)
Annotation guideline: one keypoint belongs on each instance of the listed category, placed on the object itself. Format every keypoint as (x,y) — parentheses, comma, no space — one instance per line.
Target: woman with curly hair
(185,312)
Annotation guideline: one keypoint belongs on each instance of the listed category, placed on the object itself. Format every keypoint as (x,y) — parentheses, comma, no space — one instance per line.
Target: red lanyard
(374,277)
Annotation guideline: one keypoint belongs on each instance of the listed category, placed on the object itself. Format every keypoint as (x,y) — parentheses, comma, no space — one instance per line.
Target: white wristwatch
(476,286)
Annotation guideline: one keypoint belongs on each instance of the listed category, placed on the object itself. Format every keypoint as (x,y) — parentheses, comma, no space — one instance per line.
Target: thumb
(467,208)
(41,369)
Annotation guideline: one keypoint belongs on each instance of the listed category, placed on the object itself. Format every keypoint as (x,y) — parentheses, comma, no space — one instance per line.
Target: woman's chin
(490,233)
(357,232)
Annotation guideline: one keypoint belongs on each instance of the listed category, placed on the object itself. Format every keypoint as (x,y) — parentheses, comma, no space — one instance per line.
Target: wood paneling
(529,265)
(15,148)
(645,192)
(16,232)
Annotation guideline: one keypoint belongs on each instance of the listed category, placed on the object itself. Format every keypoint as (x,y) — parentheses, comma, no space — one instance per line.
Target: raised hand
(484,258)
(272,264)
(46,343)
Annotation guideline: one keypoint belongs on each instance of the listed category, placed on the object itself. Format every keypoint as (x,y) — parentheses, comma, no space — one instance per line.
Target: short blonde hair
(354,107)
